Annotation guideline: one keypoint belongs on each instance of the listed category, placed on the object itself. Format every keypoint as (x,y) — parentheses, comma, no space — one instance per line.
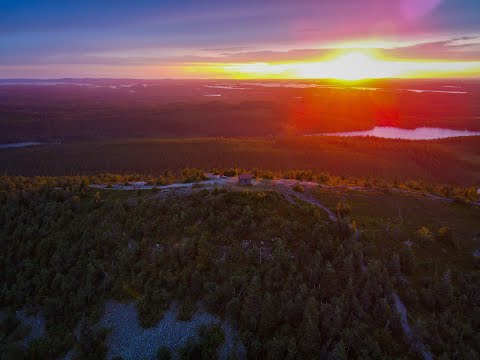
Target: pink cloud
(414,9)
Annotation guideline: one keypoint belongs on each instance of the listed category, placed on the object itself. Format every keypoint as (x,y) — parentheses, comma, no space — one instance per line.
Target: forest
(294,284)
(390,159)
(87,109)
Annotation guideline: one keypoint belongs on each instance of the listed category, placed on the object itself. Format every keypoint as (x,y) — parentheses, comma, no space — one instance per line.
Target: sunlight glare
(350,66)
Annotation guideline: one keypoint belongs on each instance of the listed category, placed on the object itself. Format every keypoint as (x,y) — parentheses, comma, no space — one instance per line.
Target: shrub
(459,200)
(343,209)
(230,172)
(267,175)
(298,188)
(38,349)
(164,353)
(424,234)
(445,236)
(476,258)
(187,309)
(212,337)
(192,175)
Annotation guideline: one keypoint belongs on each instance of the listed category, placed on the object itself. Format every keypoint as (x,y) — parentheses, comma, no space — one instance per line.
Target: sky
(239,39)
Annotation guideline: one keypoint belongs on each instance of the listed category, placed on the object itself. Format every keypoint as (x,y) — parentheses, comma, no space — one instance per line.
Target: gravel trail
(36,324)
(131,341)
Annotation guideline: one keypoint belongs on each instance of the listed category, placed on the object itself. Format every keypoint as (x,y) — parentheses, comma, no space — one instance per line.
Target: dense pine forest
(341,156)
(294,284)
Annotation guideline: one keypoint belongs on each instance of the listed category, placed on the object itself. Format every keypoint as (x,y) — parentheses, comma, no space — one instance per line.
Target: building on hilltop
(245,179)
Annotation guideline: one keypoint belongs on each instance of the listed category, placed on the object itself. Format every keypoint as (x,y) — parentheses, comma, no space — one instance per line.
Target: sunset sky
(346,39)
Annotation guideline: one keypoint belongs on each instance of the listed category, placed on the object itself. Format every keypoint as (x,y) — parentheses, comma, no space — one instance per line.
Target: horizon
(343,81)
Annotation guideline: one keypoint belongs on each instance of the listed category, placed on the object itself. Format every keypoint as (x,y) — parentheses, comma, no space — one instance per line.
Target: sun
(354,65)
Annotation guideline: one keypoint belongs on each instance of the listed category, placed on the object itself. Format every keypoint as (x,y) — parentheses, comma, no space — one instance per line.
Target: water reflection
(422,133)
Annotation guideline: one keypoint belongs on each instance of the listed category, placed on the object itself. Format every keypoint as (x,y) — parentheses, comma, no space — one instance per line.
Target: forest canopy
(293,283)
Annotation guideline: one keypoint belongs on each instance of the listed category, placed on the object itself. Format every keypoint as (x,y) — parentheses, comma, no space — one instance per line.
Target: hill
(294,284)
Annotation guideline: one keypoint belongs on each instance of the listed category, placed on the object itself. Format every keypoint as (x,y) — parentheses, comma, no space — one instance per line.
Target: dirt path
(142,185)
(411,338)
(289,194)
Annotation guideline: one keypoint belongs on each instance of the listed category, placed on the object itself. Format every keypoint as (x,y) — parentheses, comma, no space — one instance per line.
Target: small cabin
(139,183)
(245,179)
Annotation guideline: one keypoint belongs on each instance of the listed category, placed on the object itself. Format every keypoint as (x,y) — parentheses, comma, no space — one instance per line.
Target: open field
(453,161)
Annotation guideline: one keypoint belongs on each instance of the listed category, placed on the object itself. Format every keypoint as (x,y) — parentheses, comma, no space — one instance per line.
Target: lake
(19,144)
(422,133)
